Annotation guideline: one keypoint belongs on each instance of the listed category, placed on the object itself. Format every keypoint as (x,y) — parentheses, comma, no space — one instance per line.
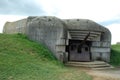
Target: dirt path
(104,74)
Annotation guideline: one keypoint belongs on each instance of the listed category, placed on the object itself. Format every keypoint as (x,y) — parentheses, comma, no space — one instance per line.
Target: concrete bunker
(87,41)
(69,39)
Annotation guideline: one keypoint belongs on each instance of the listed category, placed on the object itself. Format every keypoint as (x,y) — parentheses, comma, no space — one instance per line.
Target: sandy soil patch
(104,74)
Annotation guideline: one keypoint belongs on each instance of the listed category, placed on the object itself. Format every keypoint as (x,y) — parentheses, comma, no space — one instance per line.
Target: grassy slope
(21,59)
(115,55)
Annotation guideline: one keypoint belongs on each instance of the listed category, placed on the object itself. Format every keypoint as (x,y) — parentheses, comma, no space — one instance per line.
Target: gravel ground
(113,74)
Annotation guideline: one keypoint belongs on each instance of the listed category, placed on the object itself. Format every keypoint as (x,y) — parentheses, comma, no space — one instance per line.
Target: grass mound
(22,59)
(115,55)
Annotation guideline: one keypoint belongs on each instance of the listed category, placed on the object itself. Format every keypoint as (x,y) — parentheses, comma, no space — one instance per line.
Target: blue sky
(105,12)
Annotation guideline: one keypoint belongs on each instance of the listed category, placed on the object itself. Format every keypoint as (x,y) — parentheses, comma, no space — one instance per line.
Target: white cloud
(10,18)
(97,10)
(20,7)
(51,7)
(115,30)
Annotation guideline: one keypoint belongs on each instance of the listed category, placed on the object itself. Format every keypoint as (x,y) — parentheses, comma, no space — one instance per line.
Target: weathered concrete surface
(15,27)
(100,36)
(55,33)
(49,31)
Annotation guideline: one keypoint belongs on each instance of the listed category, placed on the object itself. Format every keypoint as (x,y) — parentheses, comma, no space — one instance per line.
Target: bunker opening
(79,51)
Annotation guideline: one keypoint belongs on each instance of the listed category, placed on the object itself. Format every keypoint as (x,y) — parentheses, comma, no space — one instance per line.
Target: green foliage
(115,55)
(22,59)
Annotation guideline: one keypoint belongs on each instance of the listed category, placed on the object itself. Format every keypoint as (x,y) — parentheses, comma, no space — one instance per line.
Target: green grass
(22,59)
(115,55)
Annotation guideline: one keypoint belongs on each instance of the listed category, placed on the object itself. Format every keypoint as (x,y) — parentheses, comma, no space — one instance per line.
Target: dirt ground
(111,74)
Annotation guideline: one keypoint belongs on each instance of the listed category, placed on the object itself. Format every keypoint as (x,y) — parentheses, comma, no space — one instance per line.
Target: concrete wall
(47,30)
(15,27)
(102,49)
(55,34)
